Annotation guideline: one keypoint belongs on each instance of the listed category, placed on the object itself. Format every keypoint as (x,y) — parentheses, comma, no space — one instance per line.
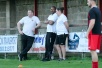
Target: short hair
(53,7)
(31,10)
(95,0)
(61,9)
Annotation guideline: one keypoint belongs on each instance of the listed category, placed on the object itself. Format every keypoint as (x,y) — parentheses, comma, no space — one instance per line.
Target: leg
(25,56)
(59,51)
(62,44)
(94,44)
(94,59)
(94,56)
(47,44)
(24,44)
(53,37)
(23,47)
(30,41)
(63,49)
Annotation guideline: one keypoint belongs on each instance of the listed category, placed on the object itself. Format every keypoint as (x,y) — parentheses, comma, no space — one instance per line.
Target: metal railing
(8,31)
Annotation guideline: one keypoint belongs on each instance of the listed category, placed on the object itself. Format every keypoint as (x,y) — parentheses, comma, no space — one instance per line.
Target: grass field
(34,63)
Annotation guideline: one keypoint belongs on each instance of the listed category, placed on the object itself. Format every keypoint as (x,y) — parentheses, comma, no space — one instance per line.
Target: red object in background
(35,8)
(100,5)
(65,7)
(35,13)
(36,31)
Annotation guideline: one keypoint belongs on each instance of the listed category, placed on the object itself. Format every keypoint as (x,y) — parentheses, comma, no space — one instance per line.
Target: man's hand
(19,28)
(21,32)
(51,22)
(91,25)
(87,35)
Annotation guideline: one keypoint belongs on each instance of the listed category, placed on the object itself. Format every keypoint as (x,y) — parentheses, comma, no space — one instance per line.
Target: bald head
(90,3)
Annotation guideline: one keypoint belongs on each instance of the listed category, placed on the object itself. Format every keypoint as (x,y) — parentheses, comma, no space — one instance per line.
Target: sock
(94,64)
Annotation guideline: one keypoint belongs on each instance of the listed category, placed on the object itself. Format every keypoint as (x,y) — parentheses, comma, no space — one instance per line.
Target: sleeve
(37,20)
(64,19)
(92,15)
(48,17)
(53,17)
(22,20)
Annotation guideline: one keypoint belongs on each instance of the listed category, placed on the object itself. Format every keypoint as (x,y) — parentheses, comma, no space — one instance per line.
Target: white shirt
(60,26)
(29,24)
(52,28)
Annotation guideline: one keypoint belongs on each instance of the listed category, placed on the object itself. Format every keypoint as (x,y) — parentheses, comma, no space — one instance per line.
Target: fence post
(5,56)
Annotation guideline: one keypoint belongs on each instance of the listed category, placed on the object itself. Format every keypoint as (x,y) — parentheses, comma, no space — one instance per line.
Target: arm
(92,21)
(38,25)
(51,22)
(19,28)
(91,25)
(52,19)
(66,25)
(46,21)
(37,22)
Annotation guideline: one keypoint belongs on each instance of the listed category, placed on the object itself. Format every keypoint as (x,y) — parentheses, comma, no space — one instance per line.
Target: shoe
(60,59)
(25,58)
(20,57)
(63,59)
(52,57)
(45,59)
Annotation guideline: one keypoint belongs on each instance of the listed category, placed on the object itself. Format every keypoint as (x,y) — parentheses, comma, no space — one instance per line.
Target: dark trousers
(50,39)
(27,42)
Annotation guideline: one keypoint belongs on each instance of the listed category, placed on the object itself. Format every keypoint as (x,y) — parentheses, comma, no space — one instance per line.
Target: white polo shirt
(60,27)
(29,24)
(52,28)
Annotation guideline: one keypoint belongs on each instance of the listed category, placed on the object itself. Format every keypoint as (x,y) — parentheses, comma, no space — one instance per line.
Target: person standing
(30,23)
(62,28)
(51,34)
(94,31)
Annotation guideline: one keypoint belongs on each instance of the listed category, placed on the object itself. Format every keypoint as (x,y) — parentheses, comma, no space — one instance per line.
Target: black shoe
(25,58)
(45,59)
(20,57)
(60,59)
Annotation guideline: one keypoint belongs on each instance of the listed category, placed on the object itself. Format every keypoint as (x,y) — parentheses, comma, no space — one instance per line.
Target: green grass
(34,63)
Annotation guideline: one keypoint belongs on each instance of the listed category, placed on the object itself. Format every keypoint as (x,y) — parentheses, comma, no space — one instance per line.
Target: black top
(95,13)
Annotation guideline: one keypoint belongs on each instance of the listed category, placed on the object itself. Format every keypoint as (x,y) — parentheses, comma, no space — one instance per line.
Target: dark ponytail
(95,0)
(61,9)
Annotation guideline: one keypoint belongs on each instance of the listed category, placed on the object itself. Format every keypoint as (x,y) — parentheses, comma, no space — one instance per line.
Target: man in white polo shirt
(51,34)
(30,23)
